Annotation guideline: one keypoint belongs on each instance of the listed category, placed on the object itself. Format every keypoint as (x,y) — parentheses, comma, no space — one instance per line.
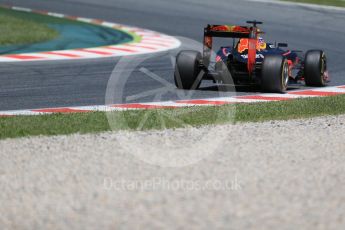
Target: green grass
(20,126)
(19,28)
(322,2)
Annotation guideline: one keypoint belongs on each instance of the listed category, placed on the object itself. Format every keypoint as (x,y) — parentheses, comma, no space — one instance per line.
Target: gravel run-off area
(272,175)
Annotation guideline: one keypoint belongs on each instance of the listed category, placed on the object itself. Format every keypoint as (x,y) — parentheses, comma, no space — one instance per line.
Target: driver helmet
(261,43)
(261,40)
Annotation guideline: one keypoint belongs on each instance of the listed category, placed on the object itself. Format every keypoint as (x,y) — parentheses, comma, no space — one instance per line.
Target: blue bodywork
(225,52)
(236,61)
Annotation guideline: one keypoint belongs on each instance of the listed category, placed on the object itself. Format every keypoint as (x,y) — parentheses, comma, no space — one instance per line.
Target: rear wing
(227,31)
(230,31)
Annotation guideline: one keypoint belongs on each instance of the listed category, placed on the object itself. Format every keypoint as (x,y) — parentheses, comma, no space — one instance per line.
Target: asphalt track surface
(290,173)
(77,83)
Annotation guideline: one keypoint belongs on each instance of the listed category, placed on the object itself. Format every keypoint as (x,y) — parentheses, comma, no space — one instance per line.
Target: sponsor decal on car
(244,44)
(245,56)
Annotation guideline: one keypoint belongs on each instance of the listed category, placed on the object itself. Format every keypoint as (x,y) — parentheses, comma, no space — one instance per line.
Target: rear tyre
(187,70)
(315,65)
(274,74)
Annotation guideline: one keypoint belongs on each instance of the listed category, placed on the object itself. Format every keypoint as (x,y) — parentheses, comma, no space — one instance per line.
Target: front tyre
(187,71)
(315,66)
(274,74)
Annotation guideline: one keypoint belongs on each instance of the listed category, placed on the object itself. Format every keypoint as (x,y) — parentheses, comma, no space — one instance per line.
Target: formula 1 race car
(249,61)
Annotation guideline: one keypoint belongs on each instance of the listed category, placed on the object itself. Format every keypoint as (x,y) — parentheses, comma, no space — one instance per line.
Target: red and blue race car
(250,61)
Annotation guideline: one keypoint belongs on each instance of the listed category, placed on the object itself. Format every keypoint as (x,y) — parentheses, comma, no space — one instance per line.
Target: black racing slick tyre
(274,74)
(315,66)
(187,70)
